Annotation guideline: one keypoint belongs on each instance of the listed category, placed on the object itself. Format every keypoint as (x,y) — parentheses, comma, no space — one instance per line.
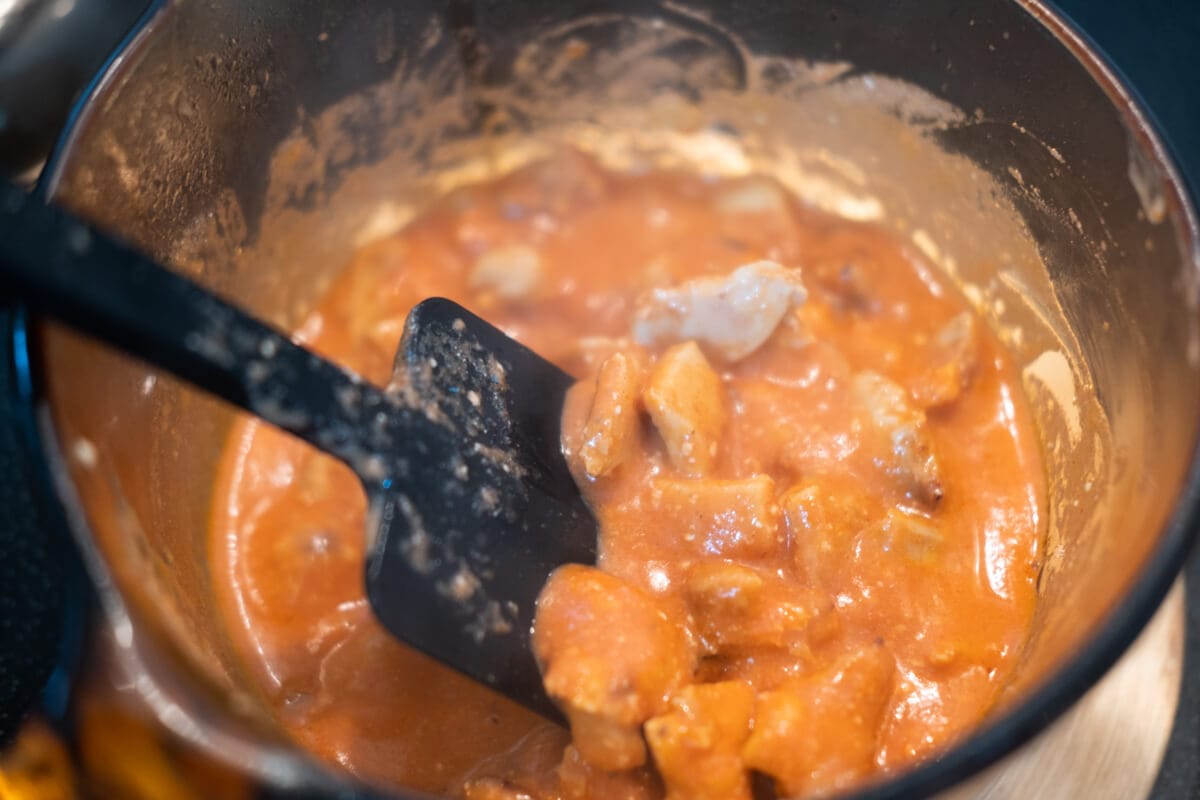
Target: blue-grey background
(1156,45)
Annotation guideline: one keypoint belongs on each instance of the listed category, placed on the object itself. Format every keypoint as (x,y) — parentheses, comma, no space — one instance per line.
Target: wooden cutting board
(1110,745)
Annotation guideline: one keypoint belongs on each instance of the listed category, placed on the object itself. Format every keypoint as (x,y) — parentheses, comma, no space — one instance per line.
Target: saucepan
(252,145)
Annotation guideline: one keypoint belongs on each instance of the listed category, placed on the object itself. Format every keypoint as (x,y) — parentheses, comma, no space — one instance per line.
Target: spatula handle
(62,267)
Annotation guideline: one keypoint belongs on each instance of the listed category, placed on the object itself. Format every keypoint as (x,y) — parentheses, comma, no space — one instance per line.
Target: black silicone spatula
(471,504)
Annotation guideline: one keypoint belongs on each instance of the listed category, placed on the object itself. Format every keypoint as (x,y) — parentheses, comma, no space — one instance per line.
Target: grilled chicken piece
(611,430)
(897,436)
(610,658)
(686,401)
(730,316)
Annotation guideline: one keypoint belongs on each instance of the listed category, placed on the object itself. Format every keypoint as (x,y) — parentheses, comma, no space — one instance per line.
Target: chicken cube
(512,272)
(733,588)
(731,315)
(726,518)
(912,536)
(823,516)
(736,609)
(897,436)
(610,658)
(697,743)
(612,425)
(954,352)
(817,734)
(720,596)
(754,215)
(753,196)
(686,402)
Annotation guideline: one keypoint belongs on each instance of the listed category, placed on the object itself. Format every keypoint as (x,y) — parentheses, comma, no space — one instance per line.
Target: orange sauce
(937,595)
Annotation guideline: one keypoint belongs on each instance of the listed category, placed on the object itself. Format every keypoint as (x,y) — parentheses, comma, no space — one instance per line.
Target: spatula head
(482,507)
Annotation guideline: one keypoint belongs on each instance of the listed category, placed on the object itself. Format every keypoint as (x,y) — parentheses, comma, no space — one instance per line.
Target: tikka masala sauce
(818,484)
